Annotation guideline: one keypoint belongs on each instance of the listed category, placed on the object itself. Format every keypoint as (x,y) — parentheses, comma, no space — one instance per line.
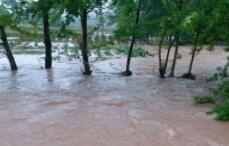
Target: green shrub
(137,52)
(122,49)
(221,74)
(222,111)
(203,100)
(223,90)
(212,78)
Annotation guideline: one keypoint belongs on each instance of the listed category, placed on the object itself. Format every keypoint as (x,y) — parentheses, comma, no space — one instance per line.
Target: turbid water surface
(60,107)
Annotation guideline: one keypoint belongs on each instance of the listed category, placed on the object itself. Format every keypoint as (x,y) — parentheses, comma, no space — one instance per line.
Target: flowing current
(60,107)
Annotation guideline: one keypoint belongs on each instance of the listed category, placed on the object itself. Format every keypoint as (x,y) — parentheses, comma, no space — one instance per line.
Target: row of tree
(13,13)
(173,22)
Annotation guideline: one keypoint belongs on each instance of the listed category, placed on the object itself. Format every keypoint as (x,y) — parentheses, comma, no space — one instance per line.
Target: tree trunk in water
(128,71)
(189,73)
(87,70)
(175,56)
(168,54)
(180,7)
(161,71)
(7,49)
(47,42)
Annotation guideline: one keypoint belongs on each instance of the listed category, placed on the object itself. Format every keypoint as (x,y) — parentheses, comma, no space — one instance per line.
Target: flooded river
(60,107)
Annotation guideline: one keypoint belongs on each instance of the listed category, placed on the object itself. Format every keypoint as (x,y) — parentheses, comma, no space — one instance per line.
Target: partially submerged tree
(177,15)
(81,9)
(128,72)
(195,23)
(159,22)
(41,10)
(5,21)
(126,17)
(171,32)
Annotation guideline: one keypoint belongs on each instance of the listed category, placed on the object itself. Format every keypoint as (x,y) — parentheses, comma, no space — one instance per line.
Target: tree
(202,13)
(124,13)
(179,6)
(159,21)
(81,8)
(128,72)
(195,22)
(42,9)
(6,20)
(217,29)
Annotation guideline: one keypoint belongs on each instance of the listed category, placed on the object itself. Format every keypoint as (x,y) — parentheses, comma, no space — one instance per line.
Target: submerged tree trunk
(128,71)
(163,66)
(47,42)
(7,49)
(168,54)
(175,56)
(84,51)
(179,5)
(189,73)
(161,71)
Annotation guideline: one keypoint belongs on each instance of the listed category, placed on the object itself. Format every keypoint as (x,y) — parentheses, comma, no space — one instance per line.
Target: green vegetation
(6,20)
(221,91)
(221,74)
(203,100)
(222,111)
(137,52)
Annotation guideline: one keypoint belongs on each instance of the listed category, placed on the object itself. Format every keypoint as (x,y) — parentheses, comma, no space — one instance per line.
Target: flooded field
(60,107)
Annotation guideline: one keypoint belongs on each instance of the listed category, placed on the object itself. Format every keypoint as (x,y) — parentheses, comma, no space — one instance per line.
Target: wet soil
(60,107)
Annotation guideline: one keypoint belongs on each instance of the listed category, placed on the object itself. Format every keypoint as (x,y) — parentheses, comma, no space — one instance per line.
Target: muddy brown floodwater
(61,107)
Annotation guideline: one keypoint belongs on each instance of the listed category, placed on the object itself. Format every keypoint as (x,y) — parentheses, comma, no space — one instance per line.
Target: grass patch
(203,100)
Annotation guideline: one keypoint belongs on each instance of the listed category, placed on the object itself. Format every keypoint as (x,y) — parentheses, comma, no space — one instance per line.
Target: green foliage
(223,90)
(5,17)
(221,74)
(218,23)
(98,44)
(222,111)
(137,52)
(212,78)
(106,49)
(75,7)
(203,100)
(123,17)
